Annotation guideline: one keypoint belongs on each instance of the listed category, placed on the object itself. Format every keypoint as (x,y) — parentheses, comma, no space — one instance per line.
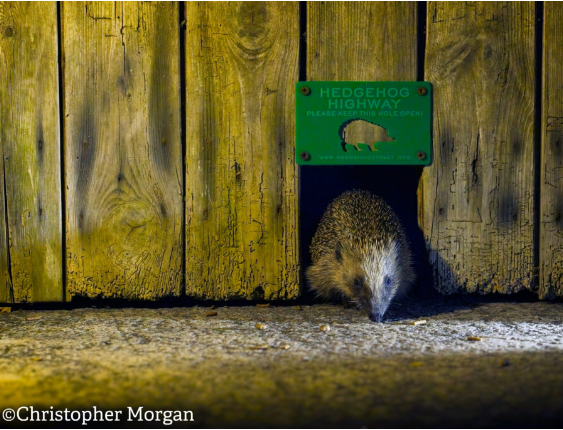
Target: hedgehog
(360,253)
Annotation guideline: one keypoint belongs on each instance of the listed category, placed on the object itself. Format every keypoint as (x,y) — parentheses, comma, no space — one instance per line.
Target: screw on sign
(305,156)
(422,91)
(421,155)
(305,91)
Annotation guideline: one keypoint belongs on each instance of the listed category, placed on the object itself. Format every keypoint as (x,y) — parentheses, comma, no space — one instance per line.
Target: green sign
(363,123)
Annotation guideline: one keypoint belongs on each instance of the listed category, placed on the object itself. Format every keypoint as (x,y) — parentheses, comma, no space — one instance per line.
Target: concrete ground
(230,373)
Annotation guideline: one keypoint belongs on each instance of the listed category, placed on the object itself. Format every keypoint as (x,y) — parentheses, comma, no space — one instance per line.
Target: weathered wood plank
(478,194)
(361,41)
(123,152)
(241,177)
(551,183)
(30,141)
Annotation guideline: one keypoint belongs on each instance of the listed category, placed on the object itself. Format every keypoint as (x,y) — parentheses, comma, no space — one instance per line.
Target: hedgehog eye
(357,283)
(387,281)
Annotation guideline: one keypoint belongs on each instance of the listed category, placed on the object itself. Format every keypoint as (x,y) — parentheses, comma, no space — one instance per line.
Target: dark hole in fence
(397,185)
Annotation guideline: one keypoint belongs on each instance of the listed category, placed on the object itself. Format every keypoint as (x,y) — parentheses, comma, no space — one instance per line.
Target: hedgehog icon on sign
(356,131)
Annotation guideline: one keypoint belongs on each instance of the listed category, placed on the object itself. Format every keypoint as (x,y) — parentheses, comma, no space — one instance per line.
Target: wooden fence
(148,147)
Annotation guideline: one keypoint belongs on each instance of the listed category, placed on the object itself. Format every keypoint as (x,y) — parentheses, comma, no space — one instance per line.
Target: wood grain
(478,195)
(361,41)
(241,177)
(123,154)
(30,214)
(551,182)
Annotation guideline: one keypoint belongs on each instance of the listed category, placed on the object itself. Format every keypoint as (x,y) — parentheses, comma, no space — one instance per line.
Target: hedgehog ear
(338,252)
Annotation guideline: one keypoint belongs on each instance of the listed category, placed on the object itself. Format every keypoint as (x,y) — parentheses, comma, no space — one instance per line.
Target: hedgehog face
(383,278)
(369,279)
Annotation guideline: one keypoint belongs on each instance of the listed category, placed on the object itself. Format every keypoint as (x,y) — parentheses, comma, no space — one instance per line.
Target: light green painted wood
(30,190)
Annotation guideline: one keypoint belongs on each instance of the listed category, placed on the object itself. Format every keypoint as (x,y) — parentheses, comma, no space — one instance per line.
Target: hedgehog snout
(375,317)
(379,306)
(377,312)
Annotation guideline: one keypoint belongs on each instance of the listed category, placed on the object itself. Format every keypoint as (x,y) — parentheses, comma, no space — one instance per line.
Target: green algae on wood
(30,190)
(123,153)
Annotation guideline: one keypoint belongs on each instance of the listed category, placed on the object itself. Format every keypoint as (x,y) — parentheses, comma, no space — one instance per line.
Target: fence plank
(551,183)
(478,195)
(361,41)
(29,137)
(241,177)
(122,149)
